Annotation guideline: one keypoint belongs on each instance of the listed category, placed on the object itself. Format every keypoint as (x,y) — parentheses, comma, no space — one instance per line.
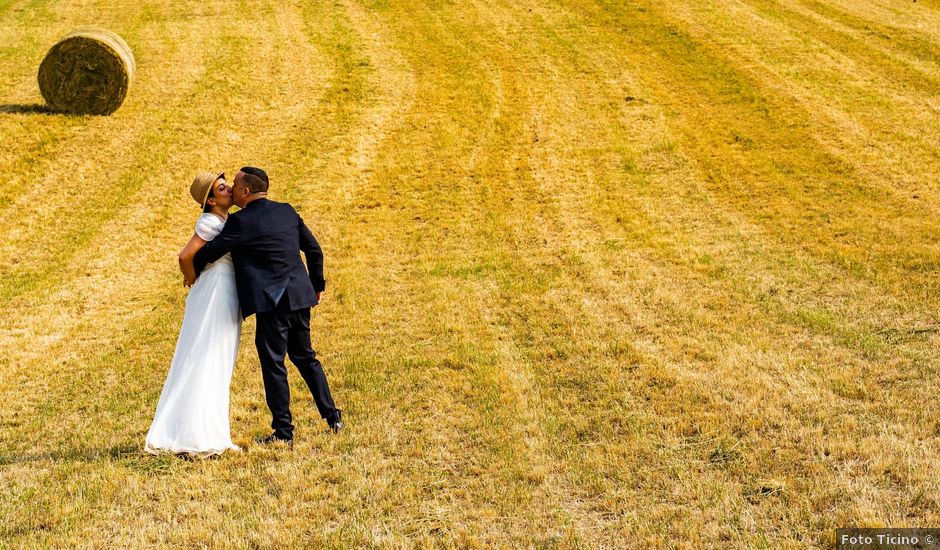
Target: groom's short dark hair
(255,178)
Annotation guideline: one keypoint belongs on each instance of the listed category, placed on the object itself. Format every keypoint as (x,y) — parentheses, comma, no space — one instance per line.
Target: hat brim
(209,188)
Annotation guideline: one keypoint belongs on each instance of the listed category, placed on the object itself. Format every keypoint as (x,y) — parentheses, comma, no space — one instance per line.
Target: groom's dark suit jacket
(265,239)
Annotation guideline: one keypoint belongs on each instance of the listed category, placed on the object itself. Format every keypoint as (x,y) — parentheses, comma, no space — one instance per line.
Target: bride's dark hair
(208,207)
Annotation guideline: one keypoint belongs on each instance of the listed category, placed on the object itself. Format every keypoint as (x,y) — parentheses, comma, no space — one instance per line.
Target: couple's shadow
(26,109)
(72,455)
(130,454)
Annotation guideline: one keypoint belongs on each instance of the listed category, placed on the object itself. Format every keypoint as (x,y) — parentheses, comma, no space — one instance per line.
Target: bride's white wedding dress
(193,413)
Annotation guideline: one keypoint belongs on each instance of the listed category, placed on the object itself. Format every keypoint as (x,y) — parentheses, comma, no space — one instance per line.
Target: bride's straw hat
(202,185)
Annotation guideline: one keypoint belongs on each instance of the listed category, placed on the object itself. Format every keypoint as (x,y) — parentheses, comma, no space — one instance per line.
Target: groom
(265,239)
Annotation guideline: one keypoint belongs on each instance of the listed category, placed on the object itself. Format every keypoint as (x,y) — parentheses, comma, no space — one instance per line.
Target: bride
(192,414)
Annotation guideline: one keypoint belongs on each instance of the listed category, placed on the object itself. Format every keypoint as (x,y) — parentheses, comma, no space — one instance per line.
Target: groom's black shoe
(273,438)
(337,424)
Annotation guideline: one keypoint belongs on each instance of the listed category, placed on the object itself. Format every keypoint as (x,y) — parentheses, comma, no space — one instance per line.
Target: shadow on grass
(26,108)
(74,455)
(131,456)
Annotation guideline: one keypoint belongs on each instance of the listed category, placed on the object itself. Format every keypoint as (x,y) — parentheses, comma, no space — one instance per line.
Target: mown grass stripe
(586,274)
(890,38)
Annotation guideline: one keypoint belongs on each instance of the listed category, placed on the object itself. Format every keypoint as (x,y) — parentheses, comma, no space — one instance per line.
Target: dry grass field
(601,273)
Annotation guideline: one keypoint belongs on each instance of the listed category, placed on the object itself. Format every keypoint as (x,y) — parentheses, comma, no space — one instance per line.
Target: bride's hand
(187,282)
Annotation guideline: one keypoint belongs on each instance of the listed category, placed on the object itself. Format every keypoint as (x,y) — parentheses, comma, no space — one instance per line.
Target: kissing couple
(238,265)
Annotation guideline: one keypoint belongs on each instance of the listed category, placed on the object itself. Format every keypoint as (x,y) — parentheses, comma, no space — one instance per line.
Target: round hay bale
(88,72)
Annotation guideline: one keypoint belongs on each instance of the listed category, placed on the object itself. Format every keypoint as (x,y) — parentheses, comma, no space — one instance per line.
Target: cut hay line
(88,72)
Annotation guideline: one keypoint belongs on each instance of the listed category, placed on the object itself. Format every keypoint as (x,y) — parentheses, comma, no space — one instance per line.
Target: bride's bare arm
(186,259)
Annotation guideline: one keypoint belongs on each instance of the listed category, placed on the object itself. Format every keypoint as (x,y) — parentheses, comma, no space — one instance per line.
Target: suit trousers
(281,332)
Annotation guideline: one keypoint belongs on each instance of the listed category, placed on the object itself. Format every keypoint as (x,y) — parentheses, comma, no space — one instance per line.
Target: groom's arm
(229,238)
(314,255)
